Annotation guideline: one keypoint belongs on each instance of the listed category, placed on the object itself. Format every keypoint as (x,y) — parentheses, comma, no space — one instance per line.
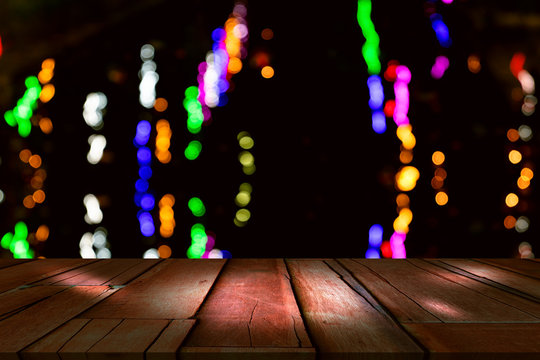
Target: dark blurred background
(323,176)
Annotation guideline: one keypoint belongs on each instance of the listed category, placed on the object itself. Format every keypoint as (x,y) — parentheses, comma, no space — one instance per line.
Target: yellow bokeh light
(243,215)
(39,196)
(509,222)
(35,161)
(246,142)
(438,158)
(512,135)
(527,173)
(514,156)
(401,225)
(402,200)
(46,125)
(441,198)
(161,104)
(406,178)
(242,198)
(523,182)
(404,133)
(246,158)
(42,233)
(235,65)
(406,156)
(511,200)
(164,251)
(25,155)
(267,72)
(47,93)
(406,214)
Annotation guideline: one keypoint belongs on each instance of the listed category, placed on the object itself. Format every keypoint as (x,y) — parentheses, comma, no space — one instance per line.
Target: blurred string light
(247,160)
(163,141)
(17,242)
(93,109)
(93,215)
(407,175)
(370,52)
(166,216)
(143,198)
(95,245)
(442,34)
(516,156)
(375,241)
(149,77)
(439,176)
(1,47)
(473,64)
(213,81)
(37,179)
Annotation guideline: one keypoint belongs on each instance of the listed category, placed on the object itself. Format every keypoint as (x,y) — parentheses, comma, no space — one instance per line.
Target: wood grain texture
(128,341)
(100,272)
(479,341)
(21,297)
(243,353)
(399,304)
(4,263)
(139,268)
(251,305)
(341,322)
(170,340)
(511,279)
(173,289)
(37,270)
(522,266)
(93,331)
(518,302)
(449,301)
(27,326)
(47,347)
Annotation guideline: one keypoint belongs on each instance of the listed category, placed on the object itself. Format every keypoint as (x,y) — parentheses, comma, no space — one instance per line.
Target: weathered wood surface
(251,309)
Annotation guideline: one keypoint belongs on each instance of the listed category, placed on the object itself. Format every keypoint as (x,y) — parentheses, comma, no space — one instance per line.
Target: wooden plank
(47,348)
(94,331)
(173,289)
(523,304)
(37,270)
(170,340)
(246,353)
(399,304)
(251,305)
(341,322)
(516,281)
(4,263)
(24,296)
(128,340)
(445,299)
(27,326)
(139,268)
(528,268)
(479,341)
(99,272)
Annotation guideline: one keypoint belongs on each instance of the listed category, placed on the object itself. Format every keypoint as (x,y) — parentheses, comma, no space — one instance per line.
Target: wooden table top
(270,309)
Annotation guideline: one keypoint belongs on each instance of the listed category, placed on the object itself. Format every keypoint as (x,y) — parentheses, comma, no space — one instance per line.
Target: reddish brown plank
(99,272)
(47,347)
(523,304)
(479,341)
(128,340)
(4,263)
(140,267)
(32,271)
(251,305)
(170,340)
(445,299)
(94,331)
(522,266)
(400,305)
(24,296)
(249,353)
(341,322)
(508,278)
(27,326)
(173,289)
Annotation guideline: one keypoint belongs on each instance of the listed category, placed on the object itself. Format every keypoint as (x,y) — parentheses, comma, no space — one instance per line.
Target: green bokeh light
(196,206)
(193,150)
